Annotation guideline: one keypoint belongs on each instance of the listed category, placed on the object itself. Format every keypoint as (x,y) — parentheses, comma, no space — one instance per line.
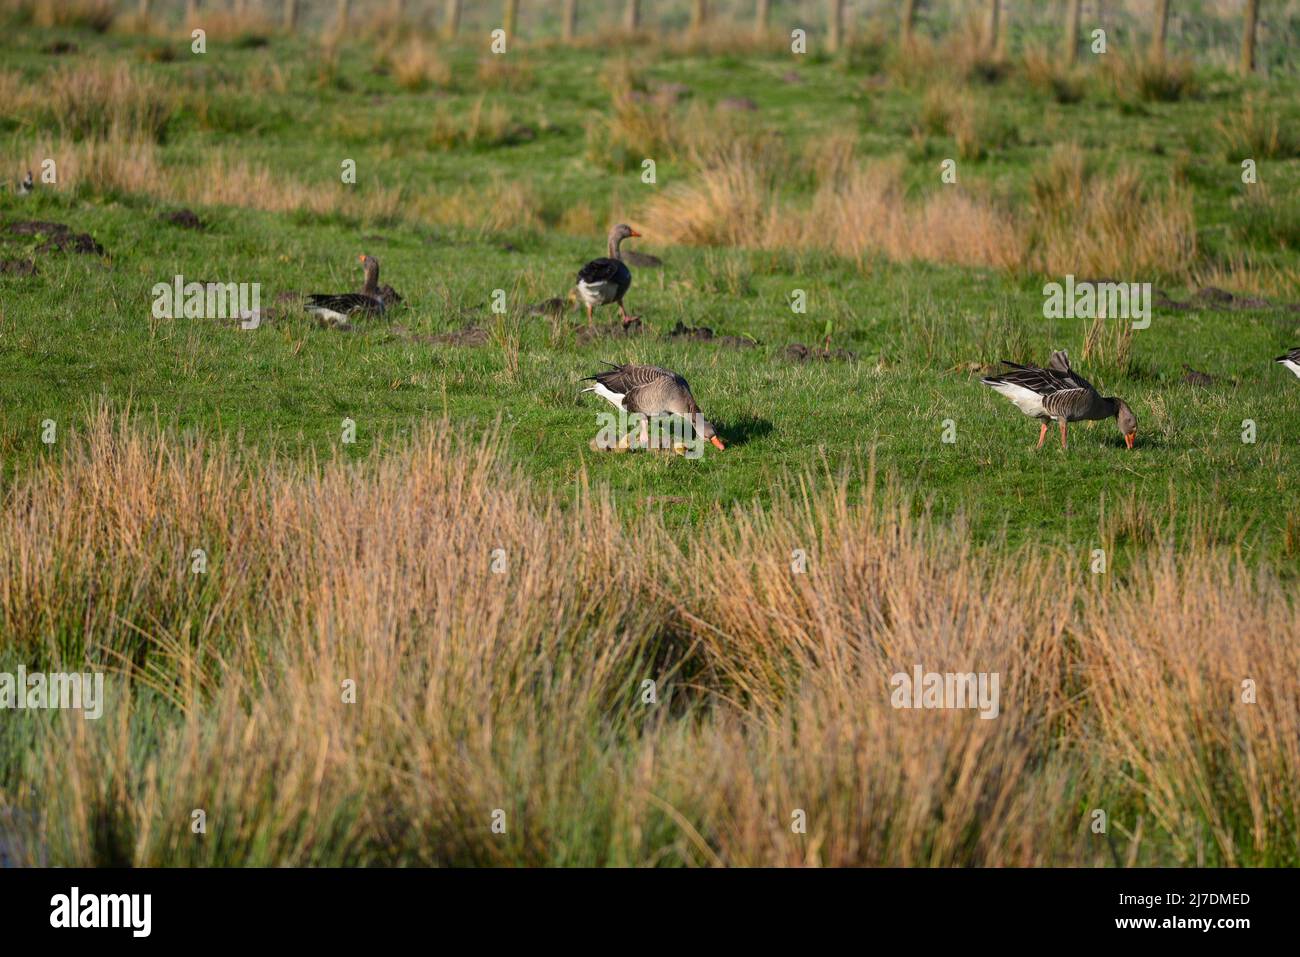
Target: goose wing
(1042,382)
(648,389)
(345,304)
(603,270)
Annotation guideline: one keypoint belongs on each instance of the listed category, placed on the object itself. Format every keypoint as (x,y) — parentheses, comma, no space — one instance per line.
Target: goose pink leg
(1042,434)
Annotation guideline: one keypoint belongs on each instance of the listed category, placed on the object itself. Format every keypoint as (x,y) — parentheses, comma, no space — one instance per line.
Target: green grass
(80,332)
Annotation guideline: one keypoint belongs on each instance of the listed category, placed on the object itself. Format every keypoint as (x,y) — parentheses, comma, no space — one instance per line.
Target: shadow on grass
(743,430)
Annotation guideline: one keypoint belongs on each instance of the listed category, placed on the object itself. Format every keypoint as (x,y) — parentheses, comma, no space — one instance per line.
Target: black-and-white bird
(27,185)
(651,391)
(1291,360)
(607,279)
(1058,392)
(338,308)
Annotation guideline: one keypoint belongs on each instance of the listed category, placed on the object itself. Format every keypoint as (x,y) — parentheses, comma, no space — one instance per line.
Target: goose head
(1127,421)
(705,430)
(619,233)
(371,266)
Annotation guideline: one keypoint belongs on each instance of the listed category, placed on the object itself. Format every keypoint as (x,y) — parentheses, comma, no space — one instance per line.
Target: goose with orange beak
(339,308)
(651,391)
(1060,393)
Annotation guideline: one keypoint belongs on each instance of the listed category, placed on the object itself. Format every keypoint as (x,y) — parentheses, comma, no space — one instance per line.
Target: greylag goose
(1058,392)
(650,391)
(1291,360)
(338,308)
(607,279)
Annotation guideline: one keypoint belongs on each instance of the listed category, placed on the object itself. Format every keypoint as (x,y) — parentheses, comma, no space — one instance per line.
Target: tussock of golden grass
(1044,70)
(94,99)
(109,165)
(135,166)
(521,690)
(1137,78)
(729,203)
(232,23)
(865,212)
(482,125)
(830,159)
(1243,273)
(512,74)
(1255,131)
(1108,344)
(953,110)
(97,15)
(962,55)
(1109,226)
(503,204)
(1217,776)
(417,65)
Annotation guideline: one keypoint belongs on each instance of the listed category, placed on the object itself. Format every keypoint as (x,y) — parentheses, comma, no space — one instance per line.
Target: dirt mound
(184,218)
(1212,297)
(59,238)
(615,330)
(685,333)
(548,307)
(798,352)
(17,267)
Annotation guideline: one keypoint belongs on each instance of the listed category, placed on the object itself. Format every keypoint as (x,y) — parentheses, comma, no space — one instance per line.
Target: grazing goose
(607,279)
(337,308)
(1058,392)
(1291,360)
(651,391)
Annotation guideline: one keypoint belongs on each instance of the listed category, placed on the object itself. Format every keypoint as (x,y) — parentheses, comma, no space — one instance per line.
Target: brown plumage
(651,391)
(1058,392)
(338,308)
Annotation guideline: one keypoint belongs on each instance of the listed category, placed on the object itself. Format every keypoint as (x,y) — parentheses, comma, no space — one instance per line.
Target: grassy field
(774,173)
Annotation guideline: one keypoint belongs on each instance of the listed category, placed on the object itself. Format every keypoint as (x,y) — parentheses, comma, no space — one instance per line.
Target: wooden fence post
(1248,37)
(1072,9)
(699,15)
(632,16)
(1159,28)
(570,21)
(451,19)
(835,37)
(991,26)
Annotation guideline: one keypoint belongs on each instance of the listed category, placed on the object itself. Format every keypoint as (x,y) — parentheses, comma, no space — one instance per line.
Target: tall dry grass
(855,213)
(522,691)
(1089,223)
(96,99)
(1078,220)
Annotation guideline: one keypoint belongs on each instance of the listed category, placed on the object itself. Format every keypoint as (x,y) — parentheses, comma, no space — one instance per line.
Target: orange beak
(634,233)
(361,258)
(1130,438)
(718,442)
